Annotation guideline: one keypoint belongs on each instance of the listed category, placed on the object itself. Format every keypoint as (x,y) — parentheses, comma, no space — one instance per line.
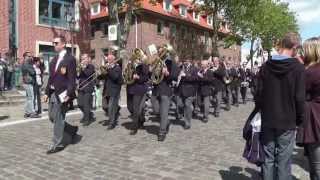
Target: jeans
(278,147)
(314,160)
(29,105)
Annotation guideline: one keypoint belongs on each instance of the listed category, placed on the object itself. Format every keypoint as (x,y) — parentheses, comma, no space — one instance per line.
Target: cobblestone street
(209,151)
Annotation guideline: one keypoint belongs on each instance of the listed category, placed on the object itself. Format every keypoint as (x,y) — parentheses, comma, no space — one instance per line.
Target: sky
(308,16)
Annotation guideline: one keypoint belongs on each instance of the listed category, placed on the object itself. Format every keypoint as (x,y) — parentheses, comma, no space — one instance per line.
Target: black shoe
(86,123)
(186,127)
(141,126)
(216,115)
(161,137)
(34,116)
(105,123)
(111,126)
(26,115)
(55,150)
(134,132)
(205,120)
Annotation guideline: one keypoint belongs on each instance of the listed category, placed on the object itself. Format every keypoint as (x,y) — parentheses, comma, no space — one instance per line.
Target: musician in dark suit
(218,72)
(230,74)
(235,85)
(136,96)
(86,88)
(61,90)
(112,75)
(163,93)
(206,79)
(188,90)
(244,84)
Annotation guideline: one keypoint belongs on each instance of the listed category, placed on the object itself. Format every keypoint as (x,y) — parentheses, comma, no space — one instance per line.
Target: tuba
(137,57)
(159,63)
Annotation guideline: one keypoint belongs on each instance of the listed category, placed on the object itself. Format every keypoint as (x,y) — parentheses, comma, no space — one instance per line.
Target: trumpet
(102,70)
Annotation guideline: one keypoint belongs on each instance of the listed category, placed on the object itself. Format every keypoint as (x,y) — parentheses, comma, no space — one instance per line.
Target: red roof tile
(158,8)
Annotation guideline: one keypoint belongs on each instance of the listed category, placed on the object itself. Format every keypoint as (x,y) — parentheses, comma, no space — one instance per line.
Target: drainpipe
(136,24)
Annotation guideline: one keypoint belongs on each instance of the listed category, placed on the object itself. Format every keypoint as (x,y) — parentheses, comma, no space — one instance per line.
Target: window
(95,8)
(93,30)
(196,16)
(47,53)
(183,10)
(210,20)
(105,29)
(173,30)
(54,12)
(183,32)
(160,27)
(167,6)
(206,38)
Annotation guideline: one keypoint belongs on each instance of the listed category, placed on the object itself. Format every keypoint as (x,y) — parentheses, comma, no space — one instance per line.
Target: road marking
(5,124)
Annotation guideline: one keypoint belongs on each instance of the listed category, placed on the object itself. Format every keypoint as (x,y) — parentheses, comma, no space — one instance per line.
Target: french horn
(138,56)
(159,63)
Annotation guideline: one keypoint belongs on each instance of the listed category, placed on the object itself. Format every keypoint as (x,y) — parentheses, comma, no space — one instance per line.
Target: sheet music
(62,96)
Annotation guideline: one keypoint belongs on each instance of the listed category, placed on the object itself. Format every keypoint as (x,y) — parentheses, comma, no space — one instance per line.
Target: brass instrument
(137,57)
(102,70)
(159,63)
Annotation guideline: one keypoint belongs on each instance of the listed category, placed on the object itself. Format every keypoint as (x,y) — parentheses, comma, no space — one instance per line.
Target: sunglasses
(55,43)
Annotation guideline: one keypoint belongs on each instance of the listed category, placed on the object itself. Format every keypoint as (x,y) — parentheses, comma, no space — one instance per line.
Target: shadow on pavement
(4,117)
(236,173)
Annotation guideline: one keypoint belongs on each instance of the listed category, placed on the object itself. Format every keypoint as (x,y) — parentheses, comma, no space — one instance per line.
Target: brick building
(30,25)
(168,21)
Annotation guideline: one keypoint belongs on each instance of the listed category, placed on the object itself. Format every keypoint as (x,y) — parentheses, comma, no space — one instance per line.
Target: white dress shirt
(60,58)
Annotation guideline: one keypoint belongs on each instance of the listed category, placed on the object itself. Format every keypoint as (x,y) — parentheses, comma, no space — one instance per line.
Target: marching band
(189,86)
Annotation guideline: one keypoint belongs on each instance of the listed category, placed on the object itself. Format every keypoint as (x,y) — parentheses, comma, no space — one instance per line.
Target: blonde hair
(311,48)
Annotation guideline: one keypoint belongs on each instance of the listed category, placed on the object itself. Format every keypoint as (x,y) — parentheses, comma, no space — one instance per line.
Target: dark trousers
(243,91)
(113,108)
(37,98)
(63,132)
(85,105)
(278,148)
(235,94)
(136,105)
(314,160)
(188,109)
(205,106)
(217,99)
(161,105)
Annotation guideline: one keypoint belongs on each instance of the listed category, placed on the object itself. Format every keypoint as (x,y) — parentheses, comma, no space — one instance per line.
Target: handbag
(253,150)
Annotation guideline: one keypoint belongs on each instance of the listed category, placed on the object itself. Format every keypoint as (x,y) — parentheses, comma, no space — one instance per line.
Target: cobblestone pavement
(209,151)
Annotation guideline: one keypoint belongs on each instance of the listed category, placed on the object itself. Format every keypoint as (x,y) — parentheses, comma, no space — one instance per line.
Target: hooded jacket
(281,93)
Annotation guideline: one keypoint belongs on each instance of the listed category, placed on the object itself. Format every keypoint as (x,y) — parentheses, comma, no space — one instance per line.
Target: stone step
(4,103)
(11,97)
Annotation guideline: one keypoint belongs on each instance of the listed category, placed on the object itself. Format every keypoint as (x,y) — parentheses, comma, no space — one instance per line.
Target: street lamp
(72,23)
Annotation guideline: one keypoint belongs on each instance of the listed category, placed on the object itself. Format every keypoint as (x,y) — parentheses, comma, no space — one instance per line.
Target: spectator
(280,97)
(308,133)
(29,78)
(9,73)
(2,70)
(17,74)
(39,69)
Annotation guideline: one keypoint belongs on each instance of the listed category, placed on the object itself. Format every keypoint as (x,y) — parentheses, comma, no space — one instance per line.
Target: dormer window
(95,8)
(167,5)
(196,16)
(210,20)
(183,10)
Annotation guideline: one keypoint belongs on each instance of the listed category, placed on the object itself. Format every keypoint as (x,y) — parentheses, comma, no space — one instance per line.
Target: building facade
(30,25)
(168,21)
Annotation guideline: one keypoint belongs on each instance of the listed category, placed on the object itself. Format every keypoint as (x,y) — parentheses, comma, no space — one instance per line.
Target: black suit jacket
(60,80)
(164,87)
(112,81)
(140,87)
(219,74)
(206,83)
(189,84)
